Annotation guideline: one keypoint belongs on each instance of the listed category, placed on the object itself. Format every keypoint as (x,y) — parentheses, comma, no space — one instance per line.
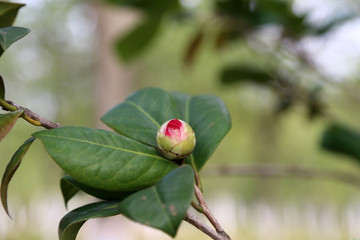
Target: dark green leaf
(142,114)
(8,12)
(2,88)
(164,205)
(9,35)
(7,122)
(136,41)
(103,159)
(210,120)
(11,169)
(68,190)
(344,140)
(245,73)
(69,187)
(71,223)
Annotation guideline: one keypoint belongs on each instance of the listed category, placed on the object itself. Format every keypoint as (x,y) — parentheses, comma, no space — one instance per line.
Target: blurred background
(287,70)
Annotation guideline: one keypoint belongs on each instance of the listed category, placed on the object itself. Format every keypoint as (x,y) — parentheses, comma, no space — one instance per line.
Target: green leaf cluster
(8,34)
(124,167)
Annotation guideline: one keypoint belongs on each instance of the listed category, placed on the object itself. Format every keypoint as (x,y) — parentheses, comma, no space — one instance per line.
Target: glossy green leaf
(2,88)
(71,223)
(69,187)
(9,35)
(210,120)
(162,206)
(103,159)
(11,169)
(245,73)
(142,114)
(7,122)
(138,39)
(8,12)
(341,139)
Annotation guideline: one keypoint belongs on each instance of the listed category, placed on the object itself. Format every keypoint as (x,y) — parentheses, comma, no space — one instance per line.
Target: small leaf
(8,12)
(9,35)
(210,120)
(341,139)
(193,47)
(103,159)
(2,88)
(11,169)
(71,223)
(164,205)
(142,114)
(136,41)
(69,187)
(7,122)
(68,190)
(244,73)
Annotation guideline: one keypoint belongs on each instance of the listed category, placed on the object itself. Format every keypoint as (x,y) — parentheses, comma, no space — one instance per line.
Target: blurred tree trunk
(115,79)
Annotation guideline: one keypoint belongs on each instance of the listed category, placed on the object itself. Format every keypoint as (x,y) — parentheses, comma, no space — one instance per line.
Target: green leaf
(138,39)
(341,139)
(142,114)
(244,73)
(71,223)
(69,187)
(164,205)
(2,88)
(210,120)
(11,169)
(7,122)
(9,35)
(103,159)
(8,12)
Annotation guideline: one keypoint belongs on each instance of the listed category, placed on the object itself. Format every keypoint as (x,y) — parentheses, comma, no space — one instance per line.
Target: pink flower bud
(175,139)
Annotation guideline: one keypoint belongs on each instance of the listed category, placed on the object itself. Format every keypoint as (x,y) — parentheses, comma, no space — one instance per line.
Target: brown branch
(28,115)
(283,171)
(209,215)
(193,220)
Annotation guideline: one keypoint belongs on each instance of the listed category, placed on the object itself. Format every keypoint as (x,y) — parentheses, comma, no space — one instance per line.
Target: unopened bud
(175,139)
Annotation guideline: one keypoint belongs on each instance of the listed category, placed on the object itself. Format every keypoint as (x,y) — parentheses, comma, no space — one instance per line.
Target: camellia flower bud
(175,139)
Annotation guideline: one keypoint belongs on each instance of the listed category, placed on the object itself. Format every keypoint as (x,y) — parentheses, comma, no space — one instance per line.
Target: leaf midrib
(105,146)
(144,112)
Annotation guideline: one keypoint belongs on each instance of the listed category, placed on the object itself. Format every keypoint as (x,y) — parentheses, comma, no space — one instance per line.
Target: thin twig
(31,117)
(193,220)
(283,171)
(209,215)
